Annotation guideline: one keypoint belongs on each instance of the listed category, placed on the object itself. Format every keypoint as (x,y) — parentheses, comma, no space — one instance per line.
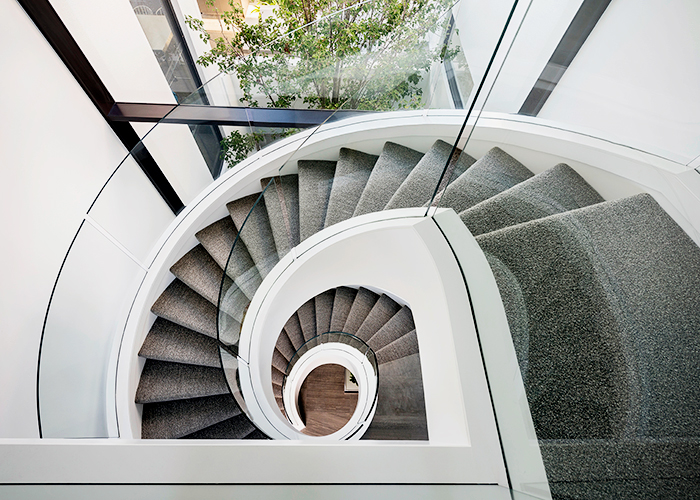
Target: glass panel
(158,22)
(603,364)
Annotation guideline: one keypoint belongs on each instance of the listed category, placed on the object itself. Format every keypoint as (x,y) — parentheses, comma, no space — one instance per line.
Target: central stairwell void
(600,298)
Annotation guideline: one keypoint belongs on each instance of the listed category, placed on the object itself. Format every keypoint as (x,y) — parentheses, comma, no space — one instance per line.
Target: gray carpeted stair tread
(576,373)
(607,460)
(167,341)
(421,183)
(342,303)
(282,204)
(277,376)
(399,325)
(236,427)
(324,311)
(516,311)
(383,310)
(491,174)
(294,333)
(182,305)
(553,191)
(611,297)
(164,381)
(250,217)
(256,434)
(623,469)
(279,361)
(390,170)
(361,307)
(315,183)
(653,270)
(218,239)
(174,419)
(351,175)
(280,403)
(399,348)
(400,410)
(307,319)
(200,272)
(285,346)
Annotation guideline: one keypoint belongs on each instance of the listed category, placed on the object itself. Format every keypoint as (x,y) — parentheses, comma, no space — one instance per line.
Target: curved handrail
(338,337)
(330,337)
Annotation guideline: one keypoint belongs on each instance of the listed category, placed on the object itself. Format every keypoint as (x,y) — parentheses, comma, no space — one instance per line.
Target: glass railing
(346,339)
(598,382)
(401,71)
(333,337)
(413,65)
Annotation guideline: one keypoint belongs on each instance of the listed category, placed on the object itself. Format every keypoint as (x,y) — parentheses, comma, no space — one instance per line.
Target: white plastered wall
(634,81)
(56,153)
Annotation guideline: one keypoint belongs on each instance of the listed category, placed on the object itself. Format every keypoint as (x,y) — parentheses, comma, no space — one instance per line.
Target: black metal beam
(576,34)
(57,35)
(225,115)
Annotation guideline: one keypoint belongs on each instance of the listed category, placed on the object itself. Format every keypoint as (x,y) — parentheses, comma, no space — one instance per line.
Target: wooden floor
(324,402)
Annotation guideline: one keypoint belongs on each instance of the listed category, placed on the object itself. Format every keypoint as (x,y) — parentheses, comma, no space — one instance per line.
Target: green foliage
(366,54)
(235,147)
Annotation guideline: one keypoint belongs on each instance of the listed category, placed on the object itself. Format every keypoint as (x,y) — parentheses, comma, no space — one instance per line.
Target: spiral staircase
(601,300)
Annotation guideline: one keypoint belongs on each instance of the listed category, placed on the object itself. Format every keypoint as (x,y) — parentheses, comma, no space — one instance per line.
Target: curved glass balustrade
(346,339)
(569,254)
(310,193)
(330,337)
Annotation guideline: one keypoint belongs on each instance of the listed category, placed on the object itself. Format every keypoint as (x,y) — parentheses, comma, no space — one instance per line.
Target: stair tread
(342,303)
(250,218)
(400,412)
(625,282)
(282,203)
(293,329)
(315,183)
(421,182)
(174,419)
(382,311)
(307,319)
(285,346)
(324,311)
(491,174)
(596,460)
(182,305)
(256,434)
(399,325)
(164,381)
(200,272)
(391,169)
(167,341)
(218,239)
(279,361)
(277,376)
(553,191)
(236,427)
(361,307)
(406,345)
(351,175)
